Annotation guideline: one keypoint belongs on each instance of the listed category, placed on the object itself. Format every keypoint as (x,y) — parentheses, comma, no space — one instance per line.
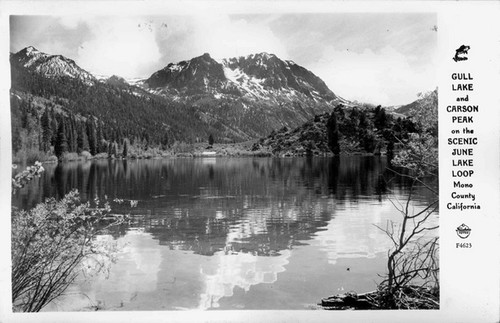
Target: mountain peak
(50,65)
(265,55)
(28,56)
(260,75)
(30,50)
(30,53)
(204,59)
(196,75)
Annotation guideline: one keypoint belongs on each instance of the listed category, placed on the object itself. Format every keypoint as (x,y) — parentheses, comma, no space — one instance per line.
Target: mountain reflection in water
(231,233)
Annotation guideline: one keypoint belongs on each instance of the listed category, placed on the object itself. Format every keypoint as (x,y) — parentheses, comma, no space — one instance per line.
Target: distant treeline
(347,130)
(56,116)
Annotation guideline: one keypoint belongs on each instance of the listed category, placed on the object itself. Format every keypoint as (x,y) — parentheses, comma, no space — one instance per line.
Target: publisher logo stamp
(463,231)
(461,52)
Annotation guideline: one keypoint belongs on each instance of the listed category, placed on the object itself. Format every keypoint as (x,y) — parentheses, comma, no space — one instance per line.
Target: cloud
(70,22)
(229,38)
(122,46)
(221,36)
(380,77)
(384,59)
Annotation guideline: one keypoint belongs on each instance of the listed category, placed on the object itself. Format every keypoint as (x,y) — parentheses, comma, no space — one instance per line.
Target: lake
(233,233)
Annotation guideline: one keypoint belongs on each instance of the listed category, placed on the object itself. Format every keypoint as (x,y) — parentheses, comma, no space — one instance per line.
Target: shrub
(49,244)
(182,148)
(69,157)
(22,178)
(29,156)
(34,155)
(51,159)
(101,156)
(52,243)
(85,155)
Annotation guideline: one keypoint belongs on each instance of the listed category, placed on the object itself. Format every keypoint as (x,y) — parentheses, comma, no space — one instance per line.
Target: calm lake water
(233,233)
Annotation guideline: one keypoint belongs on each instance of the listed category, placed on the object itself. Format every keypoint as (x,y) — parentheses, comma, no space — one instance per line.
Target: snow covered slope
(50,66)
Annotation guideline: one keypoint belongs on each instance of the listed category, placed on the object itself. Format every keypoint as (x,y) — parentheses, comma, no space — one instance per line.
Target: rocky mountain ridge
(259,76)
(233,100)
(50,66)
(424,99)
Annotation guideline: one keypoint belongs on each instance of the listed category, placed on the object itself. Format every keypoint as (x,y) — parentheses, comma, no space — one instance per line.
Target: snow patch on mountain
(32,56)
(51,66)
(249,84)
(174,67)
(259,77)
(101,78)
(137,81)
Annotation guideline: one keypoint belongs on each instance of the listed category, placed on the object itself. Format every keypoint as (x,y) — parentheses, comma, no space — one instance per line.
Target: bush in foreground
(412,277)
(52,243)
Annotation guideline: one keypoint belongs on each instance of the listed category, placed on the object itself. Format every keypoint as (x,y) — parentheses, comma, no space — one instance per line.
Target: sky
(379,58)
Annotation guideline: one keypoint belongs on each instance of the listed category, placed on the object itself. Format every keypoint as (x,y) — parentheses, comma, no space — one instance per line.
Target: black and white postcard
(250,161)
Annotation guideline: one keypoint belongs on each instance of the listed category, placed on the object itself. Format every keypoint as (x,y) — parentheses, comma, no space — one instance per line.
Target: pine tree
(363,120)
(119,134)
(100,138)
(115,149)
(380,118)
(83,142)
(103,146)
(110,149)
(46,131)
(92,136)
(145,138)
(54,127)
(34,129)
(67,132)
(125,148)
(309,146)
(73,134)
(333,134)
(164,140)
(390,150)
(61,145)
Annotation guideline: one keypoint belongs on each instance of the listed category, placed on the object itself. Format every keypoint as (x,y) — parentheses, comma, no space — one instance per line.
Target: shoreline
(208,153)
(200,156)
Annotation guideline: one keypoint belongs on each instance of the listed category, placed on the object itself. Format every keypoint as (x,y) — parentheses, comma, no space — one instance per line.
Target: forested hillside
(346,130)
(58,108)
(101,115)
(98,114)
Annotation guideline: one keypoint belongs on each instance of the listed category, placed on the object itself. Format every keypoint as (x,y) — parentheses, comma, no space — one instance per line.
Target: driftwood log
(408,297)
(349,301)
